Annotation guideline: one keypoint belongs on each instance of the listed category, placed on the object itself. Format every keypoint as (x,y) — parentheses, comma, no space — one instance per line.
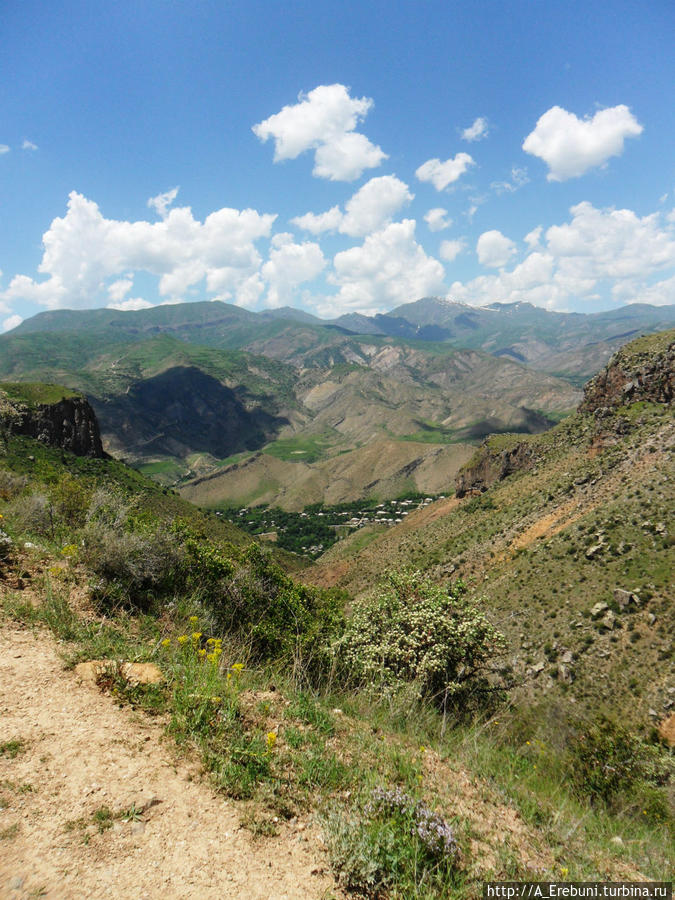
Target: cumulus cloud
(389,268)
(437,219)
(324,120)
(162,202)
(118,290)
(441,174)
(494,249)
(28,145)
(374,205)
(598,253)
(11,322)
(533,237)
(369,209)
(450,250)
(132,304)
(290,265)
(84,250)
(571,146)
(477,131)
(317,223)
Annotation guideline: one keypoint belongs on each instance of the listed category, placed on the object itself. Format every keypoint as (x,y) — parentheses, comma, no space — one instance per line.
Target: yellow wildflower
(238,668)
(166,642)
(194,620)
(202,654)
(229,675)
(271,740)
(182,639)
(217,700)
(564,871)
(196,635)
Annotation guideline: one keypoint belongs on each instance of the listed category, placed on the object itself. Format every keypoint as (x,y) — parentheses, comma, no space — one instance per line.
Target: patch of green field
(302,448)
(430,433)
(37,393)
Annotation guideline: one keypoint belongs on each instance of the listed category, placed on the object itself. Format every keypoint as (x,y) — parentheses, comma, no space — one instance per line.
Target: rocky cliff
(55,416)
(642,371)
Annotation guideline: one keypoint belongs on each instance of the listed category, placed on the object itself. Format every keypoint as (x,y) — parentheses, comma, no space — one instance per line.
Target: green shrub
(607,762)
(71,498)
(129,569)
(395,846)
(414,633)
(32,514)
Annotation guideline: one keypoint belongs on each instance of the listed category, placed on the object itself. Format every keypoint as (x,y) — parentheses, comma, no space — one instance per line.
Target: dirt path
(81,752)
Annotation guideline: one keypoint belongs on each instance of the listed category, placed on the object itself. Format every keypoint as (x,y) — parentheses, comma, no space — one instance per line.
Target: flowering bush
(413,632)
(394,841)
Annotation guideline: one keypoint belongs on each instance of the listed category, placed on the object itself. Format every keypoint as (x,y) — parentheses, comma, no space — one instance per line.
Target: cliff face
(642,371)
(70,424)
(490,465)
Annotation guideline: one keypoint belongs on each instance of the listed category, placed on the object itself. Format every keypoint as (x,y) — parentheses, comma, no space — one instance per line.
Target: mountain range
(249,407)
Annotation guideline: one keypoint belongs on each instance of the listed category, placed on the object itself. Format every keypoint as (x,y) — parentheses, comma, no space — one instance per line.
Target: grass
(295,753)
(34,394)
(303,448)
(11,749)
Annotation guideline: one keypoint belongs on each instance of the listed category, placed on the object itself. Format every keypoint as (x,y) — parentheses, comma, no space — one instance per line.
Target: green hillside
(572,550)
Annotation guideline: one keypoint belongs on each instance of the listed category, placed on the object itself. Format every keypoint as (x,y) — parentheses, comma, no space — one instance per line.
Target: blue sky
(336,156)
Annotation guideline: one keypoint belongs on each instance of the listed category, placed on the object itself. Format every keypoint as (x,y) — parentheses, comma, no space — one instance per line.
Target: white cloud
(450,250)
(83,251)
(441,174)
(369,209)
(317,223)
(571,146)
(519,177)
(118,290)
(324,121)
(28,145)
(374,205)
(533,237)
(389,268)
(11,322)
(437,219)
(4,148)
(477,131)
(162,202)
(131,304)
(290,265)
(599,253)
(610,243)
(494,249)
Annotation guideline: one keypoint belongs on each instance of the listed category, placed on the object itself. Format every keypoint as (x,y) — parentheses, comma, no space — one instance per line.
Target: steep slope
(567,535)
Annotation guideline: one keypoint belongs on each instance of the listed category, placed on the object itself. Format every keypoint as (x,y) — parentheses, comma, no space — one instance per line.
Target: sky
(336,156)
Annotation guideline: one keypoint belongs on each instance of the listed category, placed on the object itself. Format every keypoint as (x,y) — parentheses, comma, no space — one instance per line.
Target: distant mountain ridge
(575,345)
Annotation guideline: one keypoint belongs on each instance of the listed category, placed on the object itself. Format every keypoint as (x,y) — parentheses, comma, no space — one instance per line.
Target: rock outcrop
(490,465)
(642,370)
(69,422)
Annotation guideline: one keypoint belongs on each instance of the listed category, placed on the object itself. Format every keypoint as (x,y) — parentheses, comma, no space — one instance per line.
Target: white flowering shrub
(415,633)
